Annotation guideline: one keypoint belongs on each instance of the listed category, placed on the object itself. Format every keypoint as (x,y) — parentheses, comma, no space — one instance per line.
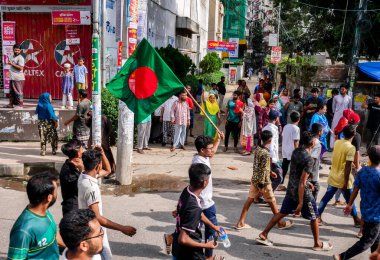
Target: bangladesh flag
(145,82)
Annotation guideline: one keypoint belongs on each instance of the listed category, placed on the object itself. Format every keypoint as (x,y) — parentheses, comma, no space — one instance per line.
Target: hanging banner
(232,73)
(8,33)
(234,53)
(142,22)
(221,46)
(132,9)
(275,56)
(119,55)
(71,17)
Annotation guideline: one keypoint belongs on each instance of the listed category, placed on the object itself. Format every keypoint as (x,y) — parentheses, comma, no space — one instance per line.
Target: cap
(273,114)
(67,65)
(354,119)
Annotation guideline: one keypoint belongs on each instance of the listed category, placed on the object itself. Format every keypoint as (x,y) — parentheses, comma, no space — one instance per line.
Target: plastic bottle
(224,237)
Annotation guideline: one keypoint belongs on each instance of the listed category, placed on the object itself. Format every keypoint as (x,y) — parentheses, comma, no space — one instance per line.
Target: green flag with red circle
(145,82)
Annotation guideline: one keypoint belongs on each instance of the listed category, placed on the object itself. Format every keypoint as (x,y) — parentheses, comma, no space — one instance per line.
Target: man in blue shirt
(368,182)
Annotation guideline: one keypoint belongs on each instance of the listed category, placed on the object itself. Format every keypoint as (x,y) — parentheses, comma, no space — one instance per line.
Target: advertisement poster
(221,46)
(111,42)
(71,17)
(132,9)
(359,100)
(8,33)
(235,53)
(232,74)
(275,56)
(72,37)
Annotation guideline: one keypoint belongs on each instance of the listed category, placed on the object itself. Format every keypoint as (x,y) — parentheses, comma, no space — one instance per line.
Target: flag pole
(204,113)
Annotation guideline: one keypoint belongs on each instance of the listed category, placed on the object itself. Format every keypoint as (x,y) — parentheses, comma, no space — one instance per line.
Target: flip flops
(288,224)
(325,247)
(168,247)
(246,226)
(265,242)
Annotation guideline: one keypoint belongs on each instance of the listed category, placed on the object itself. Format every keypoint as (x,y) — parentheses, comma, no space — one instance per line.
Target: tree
(211,63)
(180,64)
(256,30)
(308,29)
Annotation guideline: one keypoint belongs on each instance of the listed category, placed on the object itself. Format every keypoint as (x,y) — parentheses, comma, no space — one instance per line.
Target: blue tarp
(371,69)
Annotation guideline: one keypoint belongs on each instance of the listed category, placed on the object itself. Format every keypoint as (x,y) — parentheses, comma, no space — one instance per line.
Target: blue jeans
(210,213)
(330,192)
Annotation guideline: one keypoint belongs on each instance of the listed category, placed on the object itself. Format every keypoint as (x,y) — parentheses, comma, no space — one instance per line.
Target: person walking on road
(261,183)
(89,196)
(373,123)
(340,177)
(232,120)
(340,103)
(47,124)
(221,86)
(82,234)
(16,65)
(180,117)
(367,182)
(80,129)
(34,234)
(299,199)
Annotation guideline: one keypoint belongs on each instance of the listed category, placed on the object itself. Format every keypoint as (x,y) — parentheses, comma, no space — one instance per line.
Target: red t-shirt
(190,102)
(239,104)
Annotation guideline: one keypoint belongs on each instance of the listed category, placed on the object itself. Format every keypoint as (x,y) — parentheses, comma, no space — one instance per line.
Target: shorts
(80,86)
(254,193)
(309,209)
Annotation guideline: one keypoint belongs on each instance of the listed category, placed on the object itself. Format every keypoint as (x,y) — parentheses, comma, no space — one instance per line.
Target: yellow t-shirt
(343,151)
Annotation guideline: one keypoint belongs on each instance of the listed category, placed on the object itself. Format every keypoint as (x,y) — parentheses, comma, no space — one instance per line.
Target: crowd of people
(285,134)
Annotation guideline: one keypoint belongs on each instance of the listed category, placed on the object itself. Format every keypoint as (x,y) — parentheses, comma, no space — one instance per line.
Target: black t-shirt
(189,213)
(300,161)
(68,178)
(315,104)
(221,88)
(356,141)
(329,113)
(374,117)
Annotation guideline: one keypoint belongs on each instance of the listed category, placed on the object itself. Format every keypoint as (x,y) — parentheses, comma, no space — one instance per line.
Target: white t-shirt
(273,148)
(168,108)
(88,192)
(206,194)
(290,134)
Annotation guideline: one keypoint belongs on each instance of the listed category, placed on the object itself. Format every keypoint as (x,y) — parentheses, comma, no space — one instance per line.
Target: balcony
(185,43)
(186,26)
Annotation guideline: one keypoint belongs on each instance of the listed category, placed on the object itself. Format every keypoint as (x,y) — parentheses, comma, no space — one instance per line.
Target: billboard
(221,46)
(235,53)
(275,56)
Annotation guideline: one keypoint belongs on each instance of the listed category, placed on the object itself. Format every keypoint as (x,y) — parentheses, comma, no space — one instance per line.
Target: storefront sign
(221,46)
(232,74)
(275,56)
(234,53)
(71,18)
(72,37)
(8,34)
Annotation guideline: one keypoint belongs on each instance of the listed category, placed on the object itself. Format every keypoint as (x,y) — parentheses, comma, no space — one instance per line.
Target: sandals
(288,224)
(325,247)
(8,106)
(218,257)
(265,242)
(246,226)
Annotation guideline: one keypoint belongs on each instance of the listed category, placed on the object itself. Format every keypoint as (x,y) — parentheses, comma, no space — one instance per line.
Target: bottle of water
(224,237)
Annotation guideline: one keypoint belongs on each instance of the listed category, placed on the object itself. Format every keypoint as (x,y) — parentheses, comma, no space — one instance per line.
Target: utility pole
(278,41)
(356,46)
(126,127)
(96,78)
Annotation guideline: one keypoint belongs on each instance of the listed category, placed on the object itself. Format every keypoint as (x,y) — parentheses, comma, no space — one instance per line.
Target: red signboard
(221,46)
(45,2)
(132,40)
(71,17)
(119,54)
(275,56)
(45,52)
(9,32)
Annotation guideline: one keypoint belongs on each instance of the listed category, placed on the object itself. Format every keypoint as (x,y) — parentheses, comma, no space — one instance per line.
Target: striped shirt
(180,112)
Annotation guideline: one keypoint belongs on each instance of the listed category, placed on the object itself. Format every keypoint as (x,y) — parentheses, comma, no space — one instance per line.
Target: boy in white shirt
(290,141)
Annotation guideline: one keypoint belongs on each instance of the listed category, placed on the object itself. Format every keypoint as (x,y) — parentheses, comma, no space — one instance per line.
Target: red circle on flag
(143,82)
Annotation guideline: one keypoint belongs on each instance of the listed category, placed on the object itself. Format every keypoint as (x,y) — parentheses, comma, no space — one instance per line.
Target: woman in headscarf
(343,121)
(47,123)
(211,108)
(248,127)
(320,118)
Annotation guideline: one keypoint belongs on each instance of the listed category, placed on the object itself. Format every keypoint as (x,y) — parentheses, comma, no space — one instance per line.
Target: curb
(25,169)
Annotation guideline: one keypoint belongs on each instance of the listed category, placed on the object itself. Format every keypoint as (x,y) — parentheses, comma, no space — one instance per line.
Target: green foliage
(192,81)
(68,137)
(209,78)
(306,29)
(180,64)
(110,108)
(211,63)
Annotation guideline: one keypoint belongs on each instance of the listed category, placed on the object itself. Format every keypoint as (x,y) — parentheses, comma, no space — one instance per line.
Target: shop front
(48,41)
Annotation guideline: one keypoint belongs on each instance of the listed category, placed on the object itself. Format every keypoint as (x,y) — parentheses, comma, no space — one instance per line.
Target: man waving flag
(144,82)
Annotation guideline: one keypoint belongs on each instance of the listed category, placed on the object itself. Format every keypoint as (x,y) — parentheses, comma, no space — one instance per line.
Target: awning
(371,69)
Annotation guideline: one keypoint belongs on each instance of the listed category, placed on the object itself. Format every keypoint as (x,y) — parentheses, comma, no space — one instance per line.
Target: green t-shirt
(33,237)
(232,116)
